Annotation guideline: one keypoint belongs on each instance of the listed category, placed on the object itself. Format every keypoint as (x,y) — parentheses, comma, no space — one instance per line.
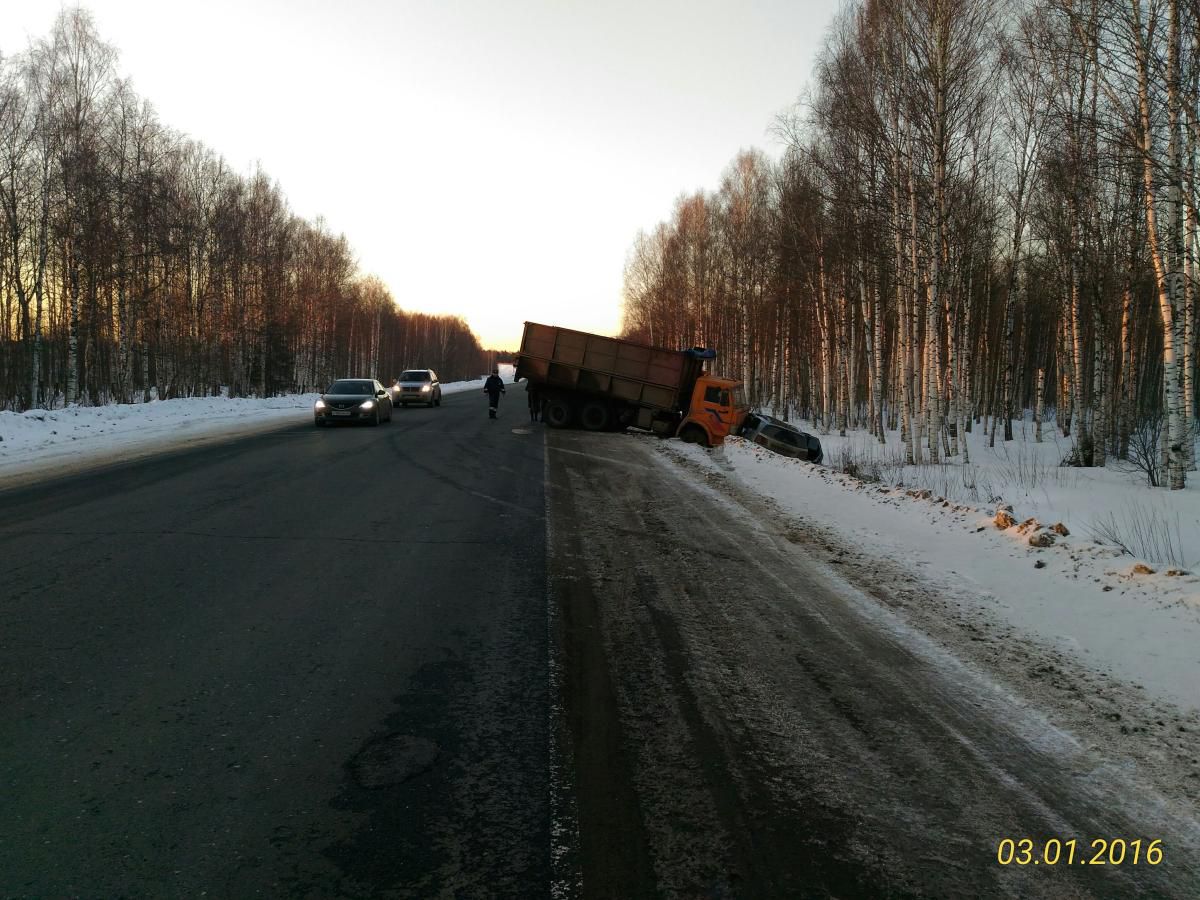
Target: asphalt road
(454,657)
(310,663)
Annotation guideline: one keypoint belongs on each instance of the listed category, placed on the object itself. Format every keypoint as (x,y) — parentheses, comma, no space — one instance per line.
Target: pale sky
(490,158)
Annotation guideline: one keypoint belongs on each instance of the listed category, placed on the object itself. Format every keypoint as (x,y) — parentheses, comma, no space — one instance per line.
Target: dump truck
(605,384)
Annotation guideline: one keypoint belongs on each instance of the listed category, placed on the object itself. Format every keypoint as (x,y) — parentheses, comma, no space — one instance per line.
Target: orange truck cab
(717,410)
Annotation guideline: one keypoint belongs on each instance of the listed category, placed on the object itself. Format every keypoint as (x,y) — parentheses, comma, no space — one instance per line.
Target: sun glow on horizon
(489,161)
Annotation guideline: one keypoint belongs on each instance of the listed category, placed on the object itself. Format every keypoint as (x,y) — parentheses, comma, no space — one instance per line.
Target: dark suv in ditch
(781,437)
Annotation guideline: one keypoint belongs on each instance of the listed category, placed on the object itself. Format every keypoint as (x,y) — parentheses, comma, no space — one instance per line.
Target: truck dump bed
(645,376)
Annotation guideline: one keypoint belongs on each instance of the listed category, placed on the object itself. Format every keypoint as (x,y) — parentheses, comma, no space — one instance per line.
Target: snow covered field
(41,443)
(1117,592)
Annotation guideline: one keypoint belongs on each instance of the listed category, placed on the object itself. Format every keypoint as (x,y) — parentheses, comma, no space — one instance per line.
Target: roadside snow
(1112,503)
(42,443)
(936,523)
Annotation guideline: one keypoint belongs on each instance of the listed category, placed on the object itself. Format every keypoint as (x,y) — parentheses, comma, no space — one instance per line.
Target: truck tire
(693,434)
(558,413)
(594,416)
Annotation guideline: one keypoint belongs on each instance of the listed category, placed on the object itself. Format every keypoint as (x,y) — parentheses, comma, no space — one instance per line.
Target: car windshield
(351,387)
(415,375)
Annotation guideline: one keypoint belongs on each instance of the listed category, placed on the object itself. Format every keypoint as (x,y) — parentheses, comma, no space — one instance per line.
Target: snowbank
(1112,504)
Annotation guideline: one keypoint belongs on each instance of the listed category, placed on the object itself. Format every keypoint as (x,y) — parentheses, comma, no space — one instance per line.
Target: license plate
(341,412)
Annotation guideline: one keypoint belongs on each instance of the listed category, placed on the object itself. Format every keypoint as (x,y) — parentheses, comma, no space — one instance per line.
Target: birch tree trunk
(919,415)
(1126,380)
(71,393)
(1099,430)
(1168,280)
(875,347)
(843,351)
(1039,408)
(1064,401)
(1079,406)
(1190,241)
(904,338)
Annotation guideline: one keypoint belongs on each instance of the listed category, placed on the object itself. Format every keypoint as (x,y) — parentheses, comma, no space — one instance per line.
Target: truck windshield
(739,397)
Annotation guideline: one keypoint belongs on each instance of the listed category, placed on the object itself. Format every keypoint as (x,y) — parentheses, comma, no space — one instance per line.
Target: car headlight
(425,389)
(320,404)
(368,404)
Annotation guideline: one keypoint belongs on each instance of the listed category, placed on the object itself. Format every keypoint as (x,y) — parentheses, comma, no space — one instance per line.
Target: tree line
(984,207)
(134,262)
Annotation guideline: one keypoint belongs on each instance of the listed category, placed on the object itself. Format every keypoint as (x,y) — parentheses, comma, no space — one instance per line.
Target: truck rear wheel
(594,416)
(558,413)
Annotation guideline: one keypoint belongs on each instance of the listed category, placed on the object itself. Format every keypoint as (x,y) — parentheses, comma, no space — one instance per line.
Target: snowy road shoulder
(42,443)
(1076,594)
(1103,652)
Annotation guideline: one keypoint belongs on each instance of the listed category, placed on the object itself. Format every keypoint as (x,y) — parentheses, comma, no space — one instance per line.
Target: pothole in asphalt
(393,759)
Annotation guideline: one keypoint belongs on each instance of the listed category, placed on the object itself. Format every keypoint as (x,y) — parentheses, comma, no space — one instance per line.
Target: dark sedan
(781,437)
(353,400)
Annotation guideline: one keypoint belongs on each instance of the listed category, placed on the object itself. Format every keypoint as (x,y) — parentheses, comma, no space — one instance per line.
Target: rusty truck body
(604,383)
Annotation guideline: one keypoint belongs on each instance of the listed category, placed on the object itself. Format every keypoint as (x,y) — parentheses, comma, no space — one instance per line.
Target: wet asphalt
(309,663)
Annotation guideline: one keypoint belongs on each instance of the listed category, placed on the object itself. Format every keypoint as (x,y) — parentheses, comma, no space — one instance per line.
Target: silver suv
(417,386)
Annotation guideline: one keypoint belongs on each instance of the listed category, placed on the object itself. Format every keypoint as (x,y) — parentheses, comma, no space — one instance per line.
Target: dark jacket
(494,385)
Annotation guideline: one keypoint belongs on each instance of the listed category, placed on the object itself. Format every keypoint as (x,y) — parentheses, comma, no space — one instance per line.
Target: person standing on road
(535,401)
(493,387)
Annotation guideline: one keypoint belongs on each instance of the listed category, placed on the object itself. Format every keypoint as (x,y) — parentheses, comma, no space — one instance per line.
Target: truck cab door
(713,406)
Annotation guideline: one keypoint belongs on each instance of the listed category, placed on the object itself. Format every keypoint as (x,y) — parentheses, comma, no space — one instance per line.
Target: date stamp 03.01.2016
(1097,852)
